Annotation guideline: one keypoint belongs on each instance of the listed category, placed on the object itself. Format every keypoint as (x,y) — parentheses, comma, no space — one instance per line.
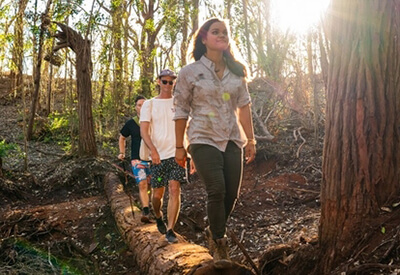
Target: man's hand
(155,157)
(121,156)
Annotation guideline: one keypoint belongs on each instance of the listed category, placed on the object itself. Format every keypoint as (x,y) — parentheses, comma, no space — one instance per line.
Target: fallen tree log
(151,251)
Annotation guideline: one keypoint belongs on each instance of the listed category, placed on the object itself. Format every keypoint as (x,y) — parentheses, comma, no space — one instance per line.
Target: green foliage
(64,9)
(110,147)
(149,25)
(5,148)
(4,10)
(174,18)
(115,4)
(56,129)
(58,122)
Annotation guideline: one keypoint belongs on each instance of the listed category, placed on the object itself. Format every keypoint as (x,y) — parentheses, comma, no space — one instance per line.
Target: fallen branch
(303,139)
(243,249)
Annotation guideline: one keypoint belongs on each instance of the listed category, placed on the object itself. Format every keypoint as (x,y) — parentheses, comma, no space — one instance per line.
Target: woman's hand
(249,152)
(181,156)
(192,167)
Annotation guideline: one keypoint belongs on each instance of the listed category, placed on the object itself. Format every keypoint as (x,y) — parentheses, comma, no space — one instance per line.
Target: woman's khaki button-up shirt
(210,104)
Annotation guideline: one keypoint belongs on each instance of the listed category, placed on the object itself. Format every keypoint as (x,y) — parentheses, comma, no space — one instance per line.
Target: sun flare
(297,16)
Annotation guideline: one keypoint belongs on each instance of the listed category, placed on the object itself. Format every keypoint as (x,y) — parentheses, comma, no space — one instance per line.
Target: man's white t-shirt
(162,125)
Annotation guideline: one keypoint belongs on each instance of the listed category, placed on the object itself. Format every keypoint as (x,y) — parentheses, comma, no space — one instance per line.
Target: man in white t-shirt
(157,129)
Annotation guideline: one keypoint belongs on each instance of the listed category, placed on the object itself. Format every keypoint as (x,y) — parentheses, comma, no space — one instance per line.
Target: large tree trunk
(69,38)
(362,145)
(190,17)
(87,142)
(37,76)
(18,48)
(152,252)
(118,9)
(105,70)
(49,86)
(313,83)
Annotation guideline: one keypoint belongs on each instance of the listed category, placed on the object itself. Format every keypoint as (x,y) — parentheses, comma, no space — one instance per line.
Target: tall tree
(190,18)
(313,85)
(126,62)
(37,71)
(150,19)
(5,24)
(362,135)
(18,48)
(117,12)
(69,38)
(246,31)
(105,58)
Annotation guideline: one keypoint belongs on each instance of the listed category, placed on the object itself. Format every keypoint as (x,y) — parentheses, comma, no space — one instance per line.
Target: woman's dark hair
(139,97)
(199,49)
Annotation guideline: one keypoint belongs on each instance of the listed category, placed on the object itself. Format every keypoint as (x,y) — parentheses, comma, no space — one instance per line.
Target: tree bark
(117,11)
(105,70)
(323,58)
(190,8)
(18,48)
(35,96)
(87,141)
(152,252)
(69,38)
(185,25)
(313,82)
(362,135)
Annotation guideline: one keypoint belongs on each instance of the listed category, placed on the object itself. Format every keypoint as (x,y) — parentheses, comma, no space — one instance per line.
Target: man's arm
(145,133)
(121,143)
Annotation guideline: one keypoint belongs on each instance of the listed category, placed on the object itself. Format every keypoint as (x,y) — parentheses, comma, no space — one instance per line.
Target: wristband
(180,147)
(251,141)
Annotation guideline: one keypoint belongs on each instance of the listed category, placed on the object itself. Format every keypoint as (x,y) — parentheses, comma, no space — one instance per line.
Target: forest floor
(55,217)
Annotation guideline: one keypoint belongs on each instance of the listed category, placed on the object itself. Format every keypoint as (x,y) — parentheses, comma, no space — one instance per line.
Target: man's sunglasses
(166,81)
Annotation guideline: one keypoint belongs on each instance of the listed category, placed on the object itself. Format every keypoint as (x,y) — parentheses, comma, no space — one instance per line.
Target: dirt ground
(55,217)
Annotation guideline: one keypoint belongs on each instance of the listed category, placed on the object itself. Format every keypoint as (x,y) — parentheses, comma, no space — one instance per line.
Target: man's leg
(157,201)
(158,182)
(144,199)
(174,203)
(141,171)
(143,193)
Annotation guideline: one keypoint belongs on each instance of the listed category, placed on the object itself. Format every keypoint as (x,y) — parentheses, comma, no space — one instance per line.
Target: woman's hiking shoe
(221,254)
(171,236)
(161,225)
(211,242)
